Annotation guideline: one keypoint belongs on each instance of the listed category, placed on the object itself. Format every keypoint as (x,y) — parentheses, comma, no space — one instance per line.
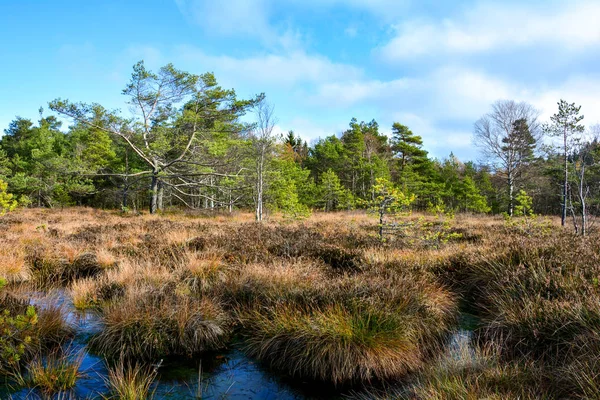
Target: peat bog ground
(97,304)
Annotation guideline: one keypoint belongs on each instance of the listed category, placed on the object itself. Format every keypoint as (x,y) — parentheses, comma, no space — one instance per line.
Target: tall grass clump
(54,373)
(333,344)
(348,330)
(148,323)
(537,295)
(130,382)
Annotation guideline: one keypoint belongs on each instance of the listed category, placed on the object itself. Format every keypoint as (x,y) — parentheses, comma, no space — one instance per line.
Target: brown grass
(323,298)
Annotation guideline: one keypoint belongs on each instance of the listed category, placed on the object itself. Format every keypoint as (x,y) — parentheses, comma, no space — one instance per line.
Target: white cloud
(311,130)
(352,92)
(442,105)
(449,92)
(251,19)
(580,89)
(285,69)
(256,18)
(248,17)
(491,26)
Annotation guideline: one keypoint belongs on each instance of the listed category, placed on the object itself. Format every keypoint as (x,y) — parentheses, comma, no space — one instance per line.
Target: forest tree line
(187,142)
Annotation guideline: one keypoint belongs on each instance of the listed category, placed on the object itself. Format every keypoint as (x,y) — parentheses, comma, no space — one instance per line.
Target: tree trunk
(259,201)
(574,217)
(381,214)
(583,218)
(212,196)
(565,183)
(511,189)
(161,193)
(126,182)
(124,199)
(582,197)
(259,188)
(154,192)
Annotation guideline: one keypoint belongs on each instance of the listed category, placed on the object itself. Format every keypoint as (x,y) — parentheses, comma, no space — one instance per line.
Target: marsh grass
(323,298)
(148,324)
(333,344)
(55,372)
(52,329)
(485,377)
(537,296)
(336,330)
(477,373)
(130,382)
(84,293)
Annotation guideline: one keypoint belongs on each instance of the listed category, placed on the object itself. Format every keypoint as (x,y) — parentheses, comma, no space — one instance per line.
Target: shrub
(7,202)
(17,334)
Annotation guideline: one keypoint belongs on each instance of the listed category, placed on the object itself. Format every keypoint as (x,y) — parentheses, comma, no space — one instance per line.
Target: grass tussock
(54,373)
(148,324)
(485,376)
(537,296)
(469,373)
(52,328)
(336,329)
(333,344)
(130,382)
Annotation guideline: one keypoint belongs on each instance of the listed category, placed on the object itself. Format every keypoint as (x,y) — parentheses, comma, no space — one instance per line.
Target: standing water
(227,374)
(218,375)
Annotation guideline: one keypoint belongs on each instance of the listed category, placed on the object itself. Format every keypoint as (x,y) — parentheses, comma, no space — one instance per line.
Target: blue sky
(435,66)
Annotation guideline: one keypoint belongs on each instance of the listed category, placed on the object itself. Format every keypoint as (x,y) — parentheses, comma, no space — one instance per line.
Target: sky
(433,65)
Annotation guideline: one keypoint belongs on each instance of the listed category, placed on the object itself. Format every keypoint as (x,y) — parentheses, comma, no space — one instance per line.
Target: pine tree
(566,125)
(406,146)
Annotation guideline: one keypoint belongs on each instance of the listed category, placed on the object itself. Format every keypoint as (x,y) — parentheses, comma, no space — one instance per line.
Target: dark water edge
(227,374)
(235,377)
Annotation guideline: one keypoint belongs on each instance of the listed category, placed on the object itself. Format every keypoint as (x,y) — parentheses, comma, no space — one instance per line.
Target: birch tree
(584,158)
(263,143)
(507,137)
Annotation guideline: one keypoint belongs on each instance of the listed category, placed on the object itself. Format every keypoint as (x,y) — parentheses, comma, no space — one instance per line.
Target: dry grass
(323,298)
(148,324)
(469,374)
(333,343)
(84,293)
